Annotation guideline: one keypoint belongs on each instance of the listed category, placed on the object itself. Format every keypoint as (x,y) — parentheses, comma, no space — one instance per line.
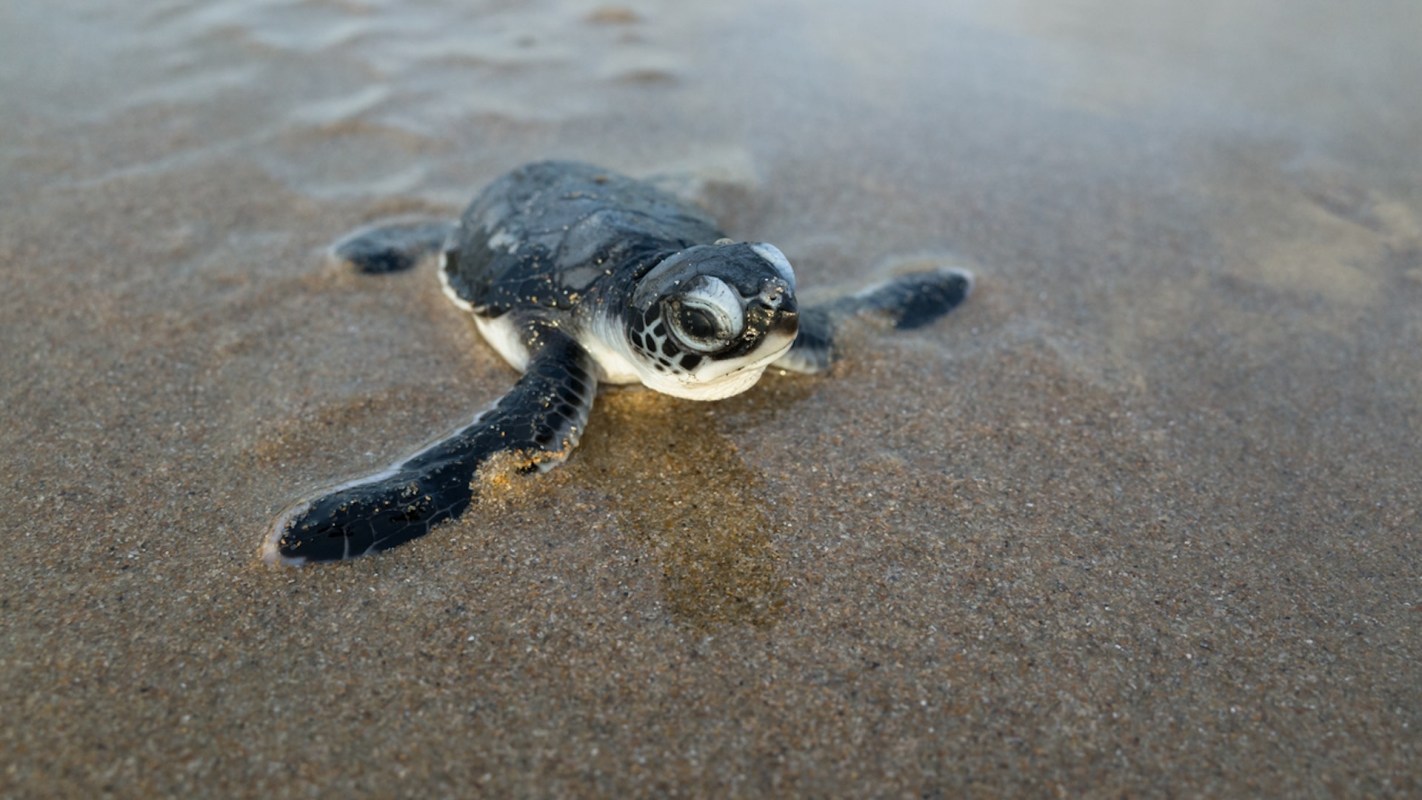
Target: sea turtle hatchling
(577,275)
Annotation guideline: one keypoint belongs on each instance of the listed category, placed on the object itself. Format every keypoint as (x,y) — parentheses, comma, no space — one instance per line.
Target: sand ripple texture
(1141,518)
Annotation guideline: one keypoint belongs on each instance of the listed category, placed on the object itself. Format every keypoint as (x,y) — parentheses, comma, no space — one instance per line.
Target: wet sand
(1140,518)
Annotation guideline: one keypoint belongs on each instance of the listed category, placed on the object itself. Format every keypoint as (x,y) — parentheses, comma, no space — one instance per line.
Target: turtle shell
(549,234)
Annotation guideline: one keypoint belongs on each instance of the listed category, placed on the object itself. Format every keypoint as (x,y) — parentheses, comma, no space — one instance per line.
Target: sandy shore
(1141,518)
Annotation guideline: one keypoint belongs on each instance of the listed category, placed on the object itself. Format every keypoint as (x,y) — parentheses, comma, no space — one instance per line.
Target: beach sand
(1140,518)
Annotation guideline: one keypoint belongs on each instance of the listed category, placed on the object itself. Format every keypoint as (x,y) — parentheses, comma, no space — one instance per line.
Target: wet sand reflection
(683,490)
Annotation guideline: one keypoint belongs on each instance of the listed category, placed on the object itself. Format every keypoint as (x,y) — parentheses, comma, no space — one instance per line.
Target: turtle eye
(706,317)
(697,323)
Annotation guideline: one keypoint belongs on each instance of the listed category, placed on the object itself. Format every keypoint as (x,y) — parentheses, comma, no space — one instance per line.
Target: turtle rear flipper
(539,422)
(392,246)
(903,303)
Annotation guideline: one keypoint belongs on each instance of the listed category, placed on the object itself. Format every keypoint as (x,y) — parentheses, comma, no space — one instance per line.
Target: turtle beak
(786,323)
(778,300)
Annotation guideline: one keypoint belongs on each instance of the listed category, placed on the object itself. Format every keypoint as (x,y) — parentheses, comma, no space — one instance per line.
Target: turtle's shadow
(682,488)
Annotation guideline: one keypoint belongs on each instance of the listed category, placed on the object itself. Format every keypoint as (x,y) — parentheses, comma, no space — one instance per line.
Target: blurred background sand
(1140,518)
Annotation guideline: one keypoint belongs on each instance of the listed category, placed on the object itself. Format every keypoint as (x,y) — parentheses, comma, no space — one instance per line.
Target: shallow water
(1142,516)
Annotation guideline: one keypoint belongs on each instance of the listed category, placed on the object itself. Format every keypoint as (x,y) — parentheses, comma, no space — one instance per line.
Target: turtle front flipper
(903,303)
(538,424)
(392,246)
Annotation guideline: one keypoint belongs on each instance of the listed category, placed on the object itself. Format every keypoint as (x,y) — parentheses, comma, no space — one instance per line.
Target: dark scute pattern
(549,233)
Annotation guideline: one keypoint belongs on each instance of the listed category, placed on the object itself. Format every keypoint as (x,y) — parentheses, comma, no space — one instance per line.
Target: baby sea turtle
(577,275)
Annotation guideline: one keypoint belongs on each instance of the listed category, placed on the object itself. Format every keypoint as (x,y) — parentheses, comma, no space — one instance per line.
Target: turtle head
(705,322)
